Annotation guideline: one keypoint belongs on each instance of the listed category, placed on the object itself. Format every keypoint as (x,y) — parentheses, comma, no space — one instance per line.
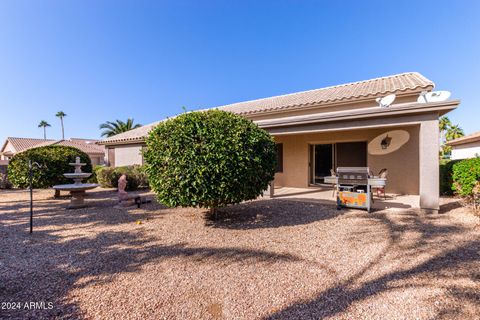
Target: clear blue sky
(106,60)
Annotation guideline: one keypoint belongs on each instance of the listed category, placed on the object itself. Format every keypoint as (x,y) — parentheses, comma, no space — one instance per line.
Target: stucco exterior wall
(97,160)
(8,148)
(402,164)
(465,151)
(128,155)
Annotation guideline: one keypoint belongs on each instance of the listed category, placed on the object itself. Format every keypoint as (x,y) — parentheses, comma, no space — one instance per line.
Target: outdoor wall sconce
(386,142)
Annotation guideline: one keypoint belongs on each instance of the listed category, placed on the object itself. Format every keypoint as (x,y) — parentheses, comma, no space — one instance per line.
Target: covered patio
(403,139)
(324,195)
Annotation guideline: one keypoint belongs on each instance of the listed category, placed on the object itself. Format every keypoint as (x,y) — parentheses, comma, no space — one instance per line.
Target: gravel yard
(274,259)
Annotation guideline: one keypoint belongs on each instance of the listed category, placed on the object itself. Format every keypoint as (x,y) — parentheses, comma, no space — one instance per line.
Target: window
(279,157)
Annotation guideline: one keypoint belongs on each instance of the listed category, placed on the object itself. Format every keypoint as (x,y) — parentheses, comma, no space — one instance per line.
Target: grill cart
(353,188)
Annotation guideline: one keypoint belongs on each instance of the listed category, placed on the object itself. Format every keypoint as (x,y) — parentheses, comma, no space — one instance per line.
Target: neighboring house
(465,147)
(322,129)
(13,146)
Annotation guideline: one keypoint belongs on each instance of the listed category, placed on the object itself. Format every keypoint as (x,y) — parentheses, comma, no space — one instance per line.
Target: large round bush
(209,159)
(54,162)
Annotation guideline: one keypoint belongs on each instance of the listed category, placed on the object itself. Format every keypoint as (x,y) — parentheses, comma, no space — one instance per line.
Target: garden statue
(124,199)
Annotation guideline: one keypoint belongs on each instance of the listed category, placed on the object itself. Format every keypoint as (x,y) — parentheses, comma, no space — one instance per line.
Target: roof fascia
(413,108)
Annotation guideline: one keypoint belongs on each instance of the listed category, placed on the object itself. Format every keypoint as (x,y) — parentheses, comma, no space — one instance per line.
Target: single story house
(12,146)
(465,147)
(340,126)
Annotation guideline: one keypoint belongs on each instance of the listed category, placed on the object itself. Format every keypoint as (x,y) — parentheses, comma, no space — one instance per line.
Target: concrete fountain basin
(76,189)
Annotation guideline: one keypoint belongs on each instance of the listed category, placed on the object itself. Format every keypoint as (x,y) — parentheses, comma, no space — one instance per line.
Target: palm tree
(118,126)
(44,124)
(444,124)
(454,132)
(61,115)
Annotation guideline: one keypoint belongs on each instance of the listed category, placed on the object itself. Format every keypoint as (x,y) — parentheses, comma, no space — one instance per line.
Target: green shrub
(54,162)
(104,177)
(93,177)
(465,175)
(108,177)
(209,159)
(446,181)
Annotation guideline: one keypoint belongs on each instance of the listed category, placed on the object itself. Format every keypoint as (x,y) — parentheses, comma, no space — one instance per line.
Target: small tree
(209,159)
(54,162)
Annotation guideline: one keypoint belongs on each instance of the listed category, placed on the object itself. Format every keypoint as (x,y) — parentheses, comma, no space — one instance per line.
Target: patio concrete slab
(325,195)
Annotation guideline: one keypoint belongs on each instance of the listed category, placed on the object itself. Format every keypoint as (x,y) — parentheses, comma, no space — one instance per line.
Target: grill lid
(353,175)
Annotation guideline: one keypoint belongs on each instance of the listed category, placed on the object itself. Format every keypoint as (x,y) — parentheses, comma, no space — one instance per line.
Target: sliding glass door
(321,161)
(326,157)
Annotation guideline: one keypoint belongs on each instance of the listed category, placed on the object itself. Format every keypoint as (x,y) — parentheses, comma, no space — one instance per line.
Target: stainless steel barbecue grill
(353,188)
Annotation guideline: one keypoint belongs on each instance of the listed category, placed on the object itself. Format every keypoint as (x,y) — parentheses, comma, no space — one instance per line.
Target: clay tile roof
(21,144)
(87,148)
(132,135)
(411,82)
(405,82)
(474,137)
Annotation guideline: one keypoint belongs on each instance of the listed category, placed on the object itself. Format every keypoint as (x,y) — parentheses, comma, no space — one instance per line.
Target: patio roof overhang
(401,114)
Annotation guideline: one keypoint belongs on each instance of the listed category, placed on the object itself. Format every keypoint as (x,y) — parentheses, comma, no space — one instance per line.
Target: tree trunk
(214,213)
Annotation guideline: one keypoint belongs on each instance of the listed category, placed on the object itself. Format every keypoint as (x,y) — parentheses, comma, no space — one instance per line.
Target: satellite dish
(385,102)
(434,96)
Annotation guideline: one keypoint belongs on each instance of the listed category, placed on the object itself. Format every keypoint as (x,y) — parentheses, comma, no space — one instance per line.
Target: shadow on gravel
(447,207)
(272,213)
(457,263)
(47,265)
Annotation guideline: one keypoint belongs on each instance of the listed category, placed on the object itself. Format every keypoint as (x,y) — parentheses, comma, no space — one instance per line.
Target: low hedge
(54,162)
(465,175)
(446,180)
(108,177)
(93,177)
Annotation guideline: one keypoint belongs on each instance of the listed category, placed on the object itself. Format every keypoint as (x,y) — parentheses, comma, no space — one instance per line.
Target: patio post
(429,166)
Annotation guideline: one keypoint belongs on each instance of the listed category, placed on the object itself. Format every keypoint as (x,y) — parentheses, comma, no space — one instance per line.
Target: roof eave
(464,141)
(414,108)
(121,141)
(307,106)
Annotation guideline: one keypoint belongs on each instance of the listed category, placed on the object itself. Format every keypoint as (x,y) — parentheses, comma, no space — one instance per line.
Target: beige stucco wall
(128,155)
(97,160)
(8,148)
(402,164)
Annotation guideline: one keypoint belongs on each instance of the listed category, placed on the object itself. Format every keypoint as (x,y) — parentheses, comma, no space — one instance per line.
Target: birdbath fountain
(77,188)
